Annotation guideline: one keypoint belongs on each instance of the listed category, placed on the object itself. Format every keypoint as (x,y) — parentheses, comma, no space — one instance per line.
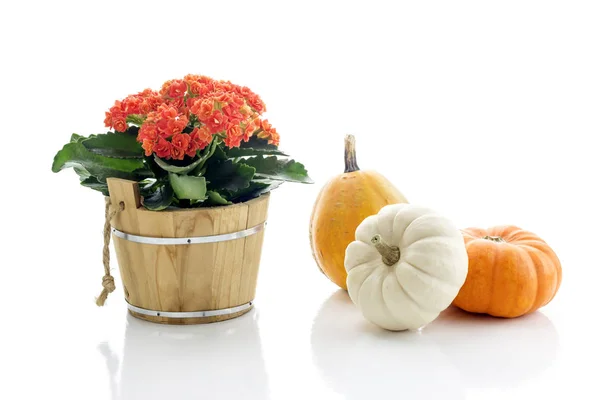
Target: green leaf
(255,189)
(117,145)
(77,138)
(215,198)
(75,155)
(149,186)
(174,168)
(218,154)
(160,199)
(82,172)
(188,187)
(93,183)
(157,171)
(205,155)
(258,144)
(228,175)
(249,151)
(279,169)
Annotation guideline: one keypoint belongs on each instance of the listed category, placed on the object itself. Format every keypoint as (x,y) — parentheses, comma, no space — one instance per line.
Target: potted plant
(186,172)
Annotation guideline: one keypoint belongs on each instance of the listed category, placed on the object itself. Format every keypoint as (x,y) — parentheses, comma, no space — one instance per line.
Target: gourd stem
(389,254)
(497,239)
(350,154)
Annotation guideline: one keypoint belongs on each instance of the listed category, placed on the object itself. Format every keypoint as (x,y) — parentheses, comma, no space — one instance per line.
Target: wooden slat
(197,277)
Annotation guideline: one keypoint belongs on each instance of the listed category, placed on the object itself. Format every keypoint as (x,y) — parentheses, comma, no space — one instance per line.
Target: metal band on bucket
(189,240)
(190,314)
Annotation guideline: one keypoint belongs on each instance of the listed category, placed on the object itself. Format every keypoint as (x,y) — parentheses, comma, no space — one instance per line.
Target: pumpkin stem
(497,239)
(350,154)
(389,254)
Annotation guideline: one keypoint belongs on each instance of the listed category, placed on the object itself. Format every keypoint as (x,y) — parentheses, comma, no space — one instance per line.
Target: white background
(486,111)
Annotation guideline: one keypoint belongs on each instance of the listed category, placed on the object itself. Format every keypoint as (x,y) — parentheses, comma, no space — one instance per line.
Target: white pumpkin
(406,266)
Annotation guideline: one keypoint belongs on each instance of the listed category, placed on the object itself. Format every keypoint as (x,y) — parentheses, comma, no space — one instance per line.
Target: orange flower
(232,112)
(191,78)
(164,90)
(176,103)
(196,88)
(217,122)
(199,85)
(201,135)
(181,140)
(190,103)
(147,131)
(233,141)
(131,105)
(177,125)
(268,132)
(265,125)
(199,89)
(168,121)
(179,145)
(177,88)
(249,131)
(148,146)
(199,139)
(256,103)
(192,149)
(177,153)
(203,109)
(206,109)
(149,101)
(221,107)
(245,110)
(115,113)
(234,136)
(234,130)
(274,138)
(163,127)
(162,148)
(167,112)
(153,116)
(108,120)
(237,100)
(146,106)
(120,124)
(184,110)
(147,93)
(244,91)
(225,86)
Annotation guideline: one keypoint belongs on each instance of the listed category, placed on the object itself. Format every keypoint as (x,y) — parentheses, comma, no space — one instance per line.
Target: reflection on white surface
(215,361)
(496,352)
(458,356)
(359,360)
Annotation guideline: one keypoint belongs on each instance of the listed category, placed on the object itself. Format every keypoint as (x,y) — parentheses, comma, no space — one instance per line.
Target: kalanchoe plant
(197,142)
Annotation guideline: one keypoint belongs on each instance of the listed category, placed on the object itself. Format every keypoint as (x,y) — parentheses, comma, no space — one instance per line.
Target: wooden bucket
(187,266)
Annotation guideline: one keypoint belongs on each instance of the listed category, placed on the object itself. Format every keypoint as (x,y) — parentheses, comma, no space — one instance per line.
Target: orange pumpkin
(512,272)
(342,204)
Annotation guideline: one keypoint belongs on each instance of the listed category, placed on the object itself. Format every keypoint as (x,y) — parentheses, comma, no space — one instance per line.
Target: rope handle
(108,282)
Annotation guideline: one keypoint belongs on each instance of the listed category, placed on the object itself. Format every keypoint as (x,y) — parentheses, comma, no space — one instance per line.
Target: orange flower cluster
(185,114)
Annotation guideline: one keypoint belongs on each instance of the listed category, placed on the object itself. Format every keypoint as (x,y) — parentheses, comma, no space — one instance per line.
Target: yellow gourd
(342,204)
